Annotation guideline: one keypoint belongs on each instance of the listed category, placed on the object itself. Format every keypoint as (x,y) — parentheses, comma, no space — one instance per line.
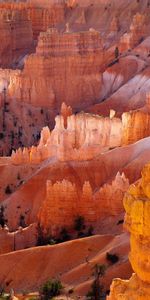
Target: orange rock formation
(76,137)
(65,68)
(16,36)
(136,202)
(42,15)
(138,31)
(20,239)
(65,201)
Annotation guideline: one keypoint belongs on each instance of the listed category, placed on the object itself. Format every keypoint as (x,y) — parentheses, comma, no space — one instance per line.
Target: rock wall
(137,222)
(65,201)
(80,137)
(16,36)
(136,125)
(65,68)
(83,136)
(20,239)
(138,31)
(42,15)
(45,15)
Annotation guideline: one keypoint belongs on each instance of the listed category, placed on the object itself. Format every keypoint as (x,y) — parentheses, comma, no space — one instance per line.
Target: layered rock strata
(65,201)
(65,68)
(79,137)
(82,136)
(16,36)
(138,31)
(137,206)
(42,15)
(20,239)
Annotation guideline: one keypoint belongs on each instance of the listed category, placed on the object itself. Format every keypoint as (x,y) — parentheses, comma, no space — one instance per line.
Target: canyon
(75,147)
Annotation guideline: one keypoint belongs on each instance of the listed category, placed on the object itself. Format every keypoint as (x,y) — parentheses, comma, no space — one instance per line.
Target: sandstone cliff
(74,137)
(65,68)
(136,203)
(138,31)
(32,193)
(65,201)
(16,36)
(20,239)
(41,15)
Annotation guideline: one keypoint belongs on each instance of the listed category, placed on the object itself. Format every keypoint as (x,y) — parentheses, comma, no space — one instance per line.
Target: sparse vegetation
(1,135)
(8,190)
(43,240)
(112,258)
(2,217)
(120,222)
(22,222)
(79,223)
(64,235)
(116,53)
(71,291)
(90,231)
(50,289)
(96,292)
(18,176)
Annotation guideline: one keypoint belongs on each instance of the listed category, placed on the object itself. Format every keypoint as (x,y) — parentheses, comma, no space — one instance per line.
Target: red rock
(16,36)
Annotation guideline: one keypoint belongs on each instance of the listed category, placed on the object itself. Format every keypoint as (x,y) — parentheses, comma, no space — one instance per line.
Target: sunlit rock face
(137,206)
(65,68)
(42,15)
(20,239)
(75,137)
(136,125)
(16,36)
(138,31)
(82,136)
(65,200)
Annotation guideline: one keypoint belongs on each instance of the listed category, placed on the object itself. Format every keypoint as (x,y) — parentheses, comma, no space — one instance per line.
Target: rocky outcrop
(138,31)
(42,15)
(136,125)
(98,171)
(137,206)
(75,137)
(65,201)
(82,136)
(45,14)
(20,239)
(65,68)
(16,36)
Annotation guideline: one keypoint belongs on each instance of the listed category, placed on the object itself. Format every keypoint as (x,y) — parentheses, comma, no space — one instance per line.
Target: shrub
(18,176)
(96,292)
(64,235)
(1,135)
(120,222)
(112,258)
(43,240)
(79,223)
(99,270)
(81,234)
(116,52)
(90,231)
(8,190)
(22,222)
(2,218)
(71,291)
(50,289)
